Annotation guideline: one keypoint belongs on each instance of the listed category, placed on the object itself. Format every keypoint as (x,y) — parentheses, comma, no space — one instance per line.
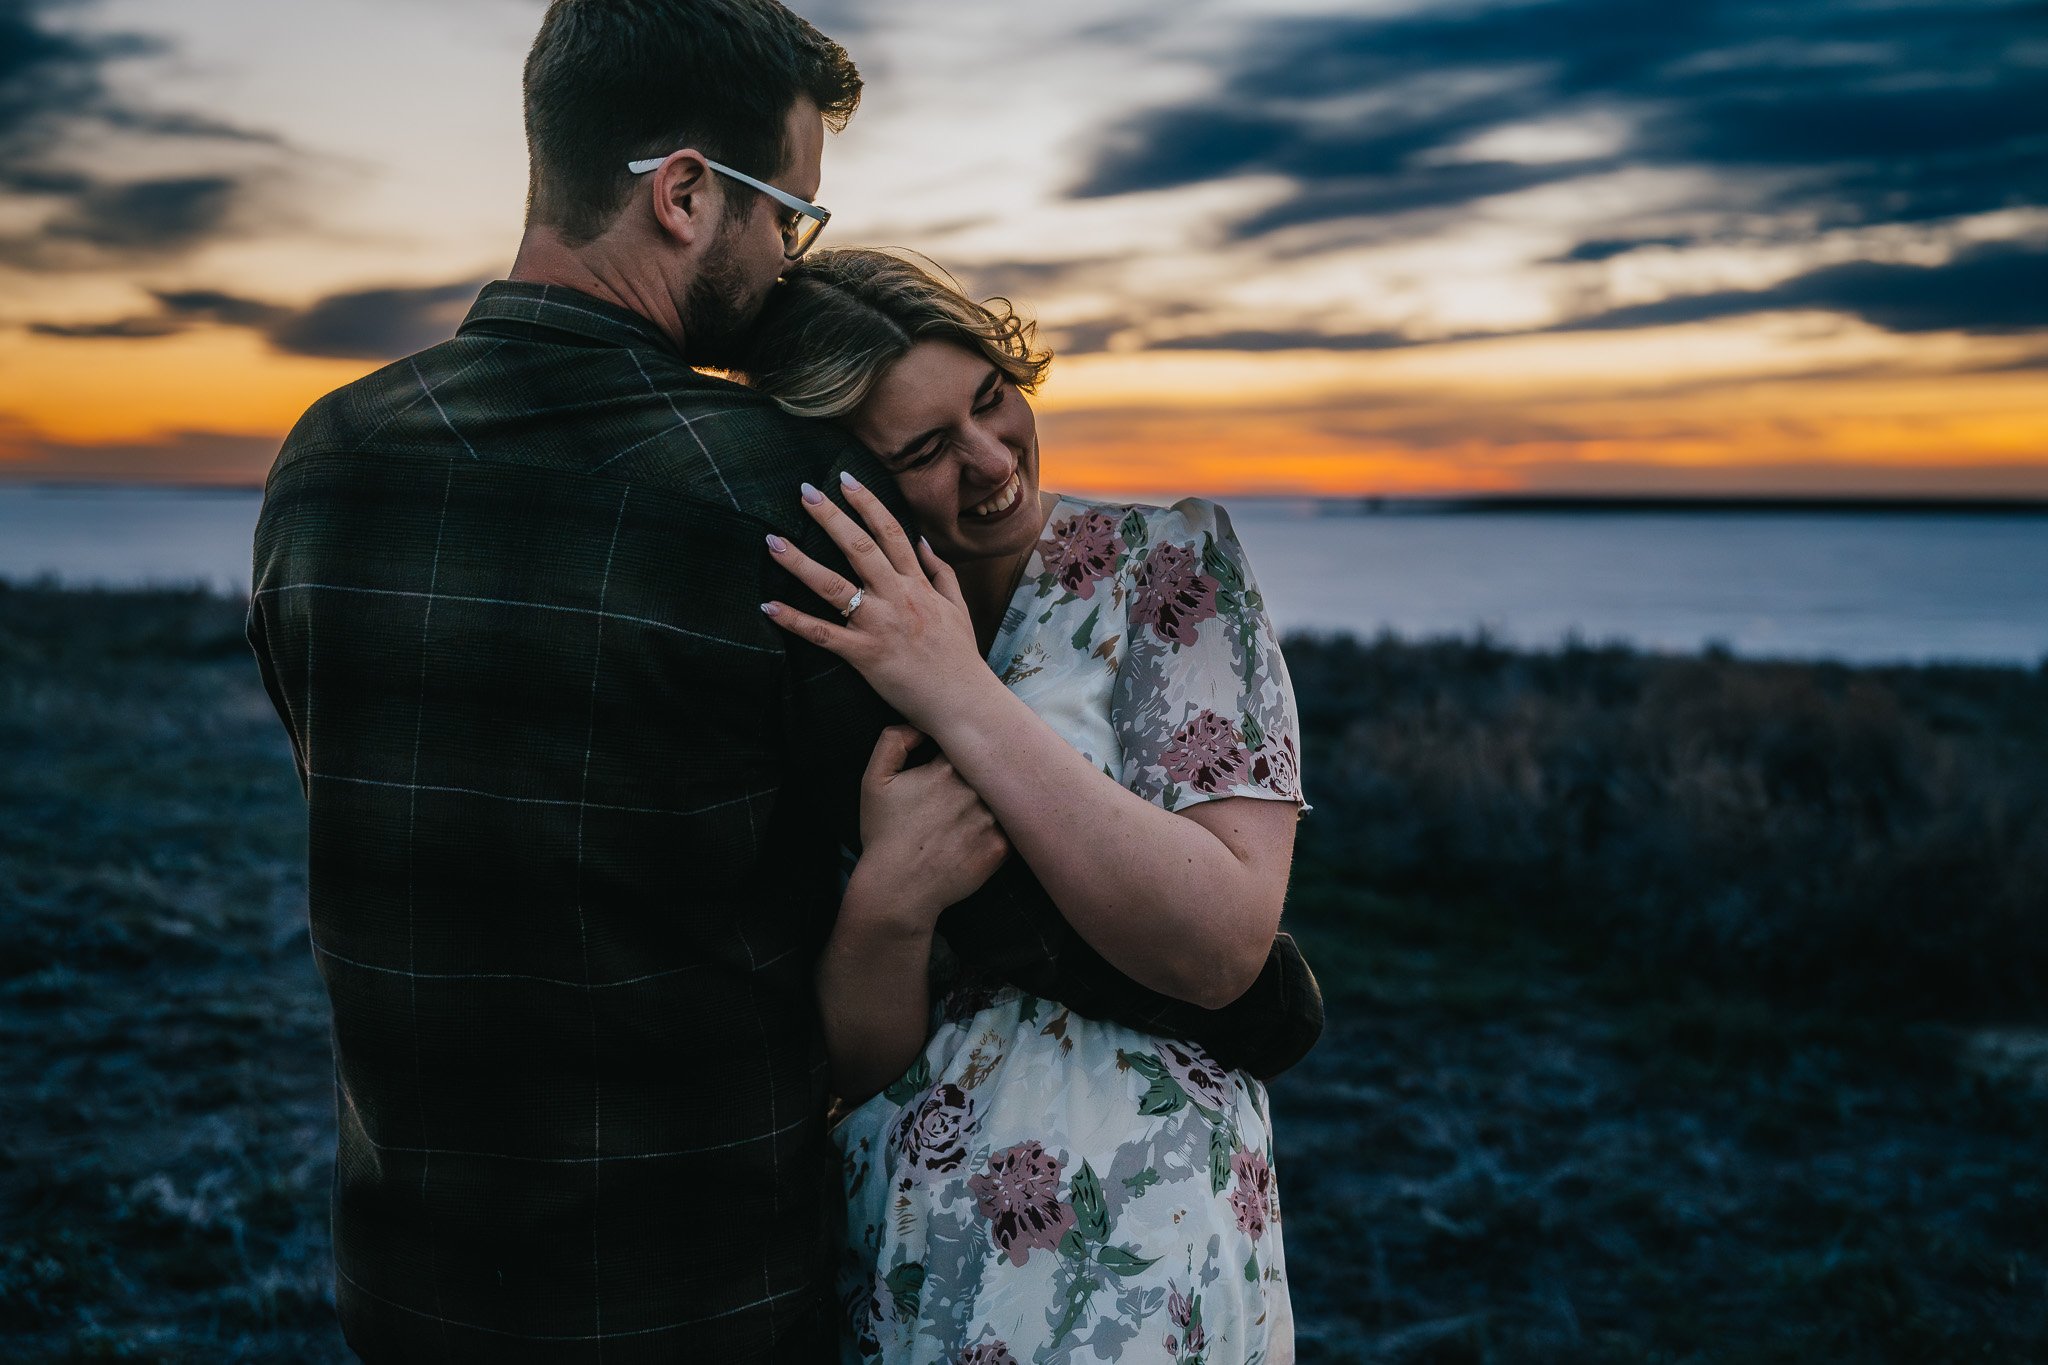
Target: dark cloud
(1840,112)
(53,80)
(149,216)
(376,324)
(1992,288)
(42,180)
(211,305)
(1607,248)
(1286,341)
(1085,338)
(362,324)
(1410,190)
(127,329)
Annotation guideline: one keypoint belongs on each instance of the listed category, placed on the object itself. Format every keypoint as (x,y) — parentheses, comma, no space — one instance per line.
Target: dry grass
(1656,989)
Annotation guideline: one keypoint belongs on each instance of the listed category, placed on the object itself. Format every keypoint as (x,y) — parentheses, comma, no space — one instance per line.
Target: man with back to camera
(574,805)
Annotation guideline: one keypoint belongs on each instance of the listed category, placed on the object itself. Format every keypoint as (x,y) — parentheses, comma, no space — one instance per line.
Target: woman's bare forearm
(872,994)
(1185,904)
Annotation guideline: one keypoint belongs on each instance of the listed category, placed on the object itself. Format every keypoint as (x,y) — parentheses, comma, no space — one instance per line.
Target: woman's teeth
(1005,495)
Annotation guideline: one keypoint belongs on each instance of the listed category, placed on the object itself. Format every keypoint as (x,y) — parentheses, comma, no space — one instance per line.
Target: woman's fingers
(862,551)
(831,586)
(893,750)
(838,639)
(886,530)
(941,573)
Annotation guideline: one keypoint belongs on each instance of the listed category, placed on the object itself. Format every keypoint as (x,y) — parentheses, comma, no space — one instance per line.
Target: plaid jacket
(574,812)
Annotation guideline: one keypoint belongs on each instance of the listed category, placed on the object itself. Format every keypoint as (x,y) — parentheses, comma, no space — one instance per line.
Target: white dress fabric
(1044,1187)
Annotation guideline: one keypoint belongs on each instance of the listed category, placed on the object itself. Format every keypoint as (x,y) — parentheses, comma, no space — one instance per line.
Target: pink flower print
(1206,1083)
(1276,768)
(932,1134)
(1174,595)
(1251,1199)
(1180,1308)
(1082,551)
(1020,1196)
(1207,753)
(986,1353)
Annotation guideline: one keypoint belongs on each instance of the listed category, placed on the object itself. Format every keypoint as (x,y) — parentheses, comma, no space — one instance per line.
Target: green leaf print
(1078,1299)
(1142,1181)
(1027,1010)
(1164,1096)
(1133,532)
(904,1284)
(1251,1268)
(1086,632)
(1170,797)
(1221,1144)
(1254,733)
(1220,566)
(911,1083)
(1123,1261)
(1091,1210)
(1073,1245)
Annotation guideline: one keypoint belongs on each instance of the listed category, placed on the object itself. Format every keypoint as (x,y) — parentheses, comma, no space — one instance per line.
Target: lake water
(1847,585)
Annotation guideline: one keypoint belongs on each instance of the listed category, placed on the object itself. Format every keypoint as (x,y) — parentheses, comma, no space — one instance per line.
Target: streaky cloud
(1828,112)
(376,324)
(361,324)
(1288,341)
(1993,288)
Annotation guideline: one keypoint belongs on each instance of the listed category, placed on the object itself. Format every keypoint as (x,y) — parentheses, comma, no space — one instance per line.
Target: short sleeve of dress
(1202,703)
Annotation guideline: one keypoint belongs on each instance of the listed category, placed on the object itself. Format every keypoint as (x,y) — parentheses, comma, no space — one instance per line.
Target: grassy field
(1681,1009)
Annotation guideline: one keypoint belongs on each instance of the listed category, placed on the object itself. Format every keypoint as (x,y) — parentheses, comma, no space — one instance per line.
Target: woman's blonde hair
(840,318)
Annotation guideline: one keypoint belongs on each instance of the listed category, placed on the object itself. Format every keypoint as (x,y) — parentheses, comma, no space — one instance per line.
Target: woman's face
(964,448)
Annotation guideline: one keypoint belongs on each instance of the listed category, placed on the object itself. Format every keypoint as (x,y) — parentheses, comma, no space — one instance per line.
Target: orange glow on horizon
(210,405)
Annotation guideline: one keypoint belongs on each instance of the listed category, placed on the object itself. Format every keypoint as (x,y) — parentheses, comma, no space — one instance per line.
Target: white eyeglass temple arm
(782,197)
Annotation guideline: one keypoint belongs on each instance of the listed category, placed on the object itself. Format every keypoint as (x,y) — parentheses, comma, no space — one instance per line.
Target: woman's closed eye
(941,441)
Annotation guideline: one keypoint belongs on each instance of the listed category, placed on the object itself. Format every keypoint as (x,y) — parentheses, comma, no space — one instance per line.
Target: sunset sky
(1278,245)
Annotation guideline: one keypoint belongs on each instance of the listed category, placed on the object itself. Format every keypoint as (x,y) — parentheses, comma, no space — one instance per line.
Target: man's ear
(683,198)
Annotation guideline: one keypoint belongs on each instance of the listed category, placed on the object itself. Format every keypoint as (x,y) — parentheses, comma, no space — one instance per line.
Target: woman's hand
(911,636)
(927,840)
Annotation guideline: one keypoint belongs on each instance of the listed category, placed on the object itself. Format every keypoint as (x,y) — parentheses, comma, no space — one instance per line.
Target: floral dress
(1045,1187)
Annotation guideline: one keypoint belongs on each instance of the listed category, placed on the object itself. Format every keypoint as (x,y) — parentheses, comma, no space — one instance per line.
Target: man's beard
(717,311)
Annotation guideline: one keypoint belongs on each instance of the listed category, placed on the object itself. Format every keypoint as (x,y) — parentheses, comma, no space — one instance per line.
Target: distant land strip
(1917,505)
(1362,504)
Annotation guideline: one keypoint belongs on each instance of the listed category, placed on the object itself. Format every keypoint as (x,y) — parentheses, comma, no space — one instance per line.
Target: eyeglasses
(800,226)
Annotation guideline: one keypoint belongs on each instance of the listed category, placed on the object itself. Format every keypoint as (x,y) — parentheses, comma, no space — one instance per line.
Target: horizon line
(1366,502)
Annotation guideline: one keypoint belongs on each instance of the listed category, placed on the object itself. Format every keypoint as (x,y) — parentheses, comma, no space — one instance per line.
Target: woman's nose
(988,458)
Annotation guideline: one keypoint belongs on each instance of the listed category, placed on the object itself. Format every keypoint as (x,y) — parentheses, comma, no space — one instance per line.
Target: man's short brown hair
(611,81)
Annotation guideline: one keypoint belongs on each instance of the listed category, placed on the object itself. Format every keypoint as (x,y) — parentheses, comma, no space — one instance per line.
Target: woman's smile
(1004,501)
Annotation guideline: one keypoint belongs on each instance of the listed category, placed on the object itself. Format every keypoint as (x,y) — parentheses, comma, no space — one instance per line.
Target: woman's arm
(1186,903)
(926,841)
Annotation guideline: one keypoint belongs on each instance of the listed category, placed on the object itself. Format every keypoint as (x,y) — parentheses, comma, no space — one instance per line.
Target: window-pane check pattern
(574,811)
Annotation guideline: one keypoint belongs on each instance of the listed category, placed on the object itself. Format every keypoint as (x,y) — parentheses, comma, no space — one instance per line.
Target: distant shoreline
(1721,504)
(1374,504)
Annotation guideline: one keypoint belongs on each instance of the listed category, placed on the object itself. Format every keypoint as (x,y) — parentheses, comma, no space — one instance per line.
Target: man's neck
(545,259)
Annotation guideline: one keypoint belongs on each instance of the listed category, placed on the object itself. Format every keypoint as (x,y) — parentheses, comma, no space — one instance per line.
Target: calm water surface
(1860,587)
